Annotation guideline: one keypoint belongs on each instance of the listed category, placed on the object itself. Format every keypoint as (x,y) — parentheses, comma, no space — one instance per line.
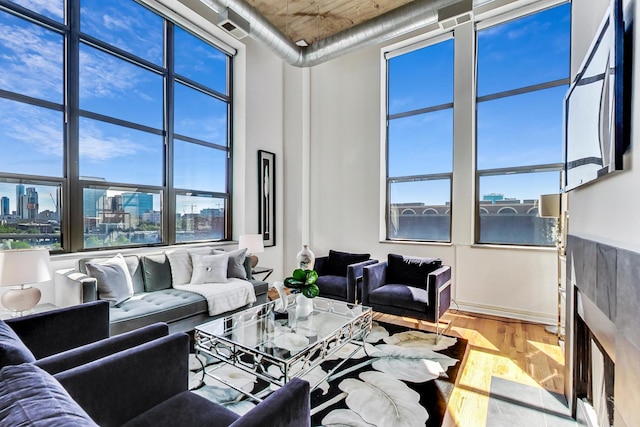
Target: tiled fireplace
(602,349)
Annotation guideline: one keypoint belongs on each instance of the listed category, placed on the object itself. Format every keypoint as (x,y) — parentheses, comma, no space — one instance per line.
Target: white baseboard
(529,316)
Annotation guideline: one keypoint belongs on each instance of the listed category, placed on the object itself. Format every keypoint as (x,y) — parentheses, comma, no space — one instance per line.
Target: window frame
(432,41)
(72,186)
(503,171)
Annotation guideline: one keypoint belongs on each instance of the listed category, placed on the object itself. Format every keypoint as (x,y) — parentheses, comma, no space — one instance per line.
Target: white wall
(346,194)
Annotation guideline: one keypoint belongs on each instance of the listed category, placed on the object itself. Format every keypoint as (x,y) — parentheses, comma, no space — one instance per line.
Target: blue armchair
(61,339)
(340,275)
(414,287)
(147,385)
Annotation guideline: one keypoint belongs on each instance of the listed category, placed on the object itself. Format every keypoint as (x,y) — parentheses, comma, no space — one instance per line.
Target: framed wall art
(267,196)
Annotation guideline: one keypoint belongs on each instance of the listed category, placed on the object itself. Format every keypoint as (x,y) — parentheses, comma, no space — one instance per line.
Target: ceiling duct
(455,14)
(234,24)
(402,20)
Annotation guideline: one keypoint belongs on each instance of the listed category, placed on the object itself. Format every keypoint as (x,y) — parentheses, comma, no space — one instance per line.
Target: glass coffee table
(276,345)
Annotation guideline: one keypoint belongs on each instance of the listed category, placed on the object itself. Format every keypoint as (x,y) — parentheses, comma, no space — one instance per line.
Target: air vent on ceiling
(455,14)
(234,24)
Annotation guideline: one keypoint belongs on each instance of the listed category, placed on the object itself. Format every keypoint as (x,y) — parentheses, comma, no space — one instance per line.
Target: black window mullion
(73,203)
(169,201)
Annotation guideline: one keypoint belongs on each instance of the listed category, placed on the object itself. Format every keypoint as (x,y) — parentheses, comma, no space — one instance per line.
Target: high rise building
(4,206)
(30,206)
(19,194)
(136,204)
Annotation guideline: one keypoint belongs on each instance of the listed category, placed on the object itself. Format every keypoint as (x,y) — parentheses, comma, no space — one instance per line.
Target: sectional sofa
(154,299)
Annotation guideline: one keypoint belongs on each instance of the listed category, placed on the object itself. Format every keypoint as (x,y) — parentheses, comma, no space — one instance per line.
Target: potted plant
(304,281)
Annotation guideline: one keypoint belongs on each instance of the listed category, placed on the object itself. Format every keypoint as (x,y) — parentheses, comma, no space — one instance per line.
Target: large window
(115,128)
(420,143)
(522,77)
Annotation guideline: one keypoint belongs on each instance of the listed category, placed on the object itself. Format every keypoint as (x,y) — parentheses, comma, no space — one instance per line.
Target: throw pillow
(180,261)
(339,261)
(12,349)
(235,268)
(114,280)
(409,270)
(209,268)
(157,272)
(31,397)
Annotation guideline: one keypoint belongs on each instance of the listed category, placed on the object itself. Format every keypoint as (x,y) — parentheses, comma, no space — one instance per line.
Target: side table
(262,270)
(40,308)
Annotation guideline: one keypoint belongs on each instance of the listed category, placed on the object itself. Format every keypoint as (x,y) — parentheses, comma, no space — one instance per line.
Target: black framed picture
(267,196)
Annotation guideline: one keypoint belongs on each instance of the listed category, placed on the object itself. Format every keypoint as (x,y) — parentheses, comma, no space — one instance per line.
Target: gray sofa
(154,298)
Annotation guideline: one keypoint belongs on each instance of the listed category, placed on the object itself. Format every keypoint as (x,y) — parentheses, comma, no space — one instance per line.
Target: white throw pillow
(113,279)
(180,262)
(209,268)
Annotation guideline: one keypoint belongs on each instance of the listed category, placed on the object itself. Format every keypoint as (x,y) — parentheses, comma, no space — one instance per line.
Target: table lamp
(22,268)
(254,244)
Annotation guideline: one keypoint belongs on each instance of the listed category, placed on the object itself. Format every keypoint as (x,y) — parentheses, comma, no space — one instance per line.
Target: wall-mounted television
(596,106)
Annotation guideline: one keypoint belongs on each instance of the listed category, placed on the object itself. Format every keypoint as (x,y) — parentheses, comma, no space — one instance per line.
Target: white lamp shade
(23,267)
(549,206)
(253,243)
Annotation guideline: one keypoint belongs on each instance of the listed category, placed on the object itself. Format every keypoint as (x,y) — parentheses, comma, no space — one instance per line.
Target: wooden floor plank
(510,349)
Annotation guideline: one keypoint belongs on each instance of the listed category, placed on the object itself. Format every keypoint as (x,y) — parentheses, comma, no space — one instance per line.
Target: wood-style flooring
(508,349)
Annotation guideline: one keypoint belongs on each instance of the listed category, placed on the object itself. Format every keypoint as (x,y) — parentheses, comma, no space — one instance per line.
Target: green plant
(305,281)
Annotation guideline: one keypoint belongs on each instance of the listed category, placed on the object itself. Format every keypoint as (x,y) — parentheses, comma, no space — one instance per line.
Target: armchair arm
(321,264)
(73,288)
(439,290)
(62,329)
(88,353)
(288,406)
(373,276)
(115,389)
(354,275)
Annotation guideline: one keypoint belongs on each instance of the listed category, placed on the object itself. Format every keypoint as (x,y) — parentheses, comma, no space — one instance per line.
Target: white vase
(304,306)
(306,258)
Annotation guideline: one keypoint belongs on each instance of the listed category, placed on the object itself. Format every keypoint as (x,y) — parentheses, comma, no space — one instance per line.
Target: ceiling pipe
(400,21)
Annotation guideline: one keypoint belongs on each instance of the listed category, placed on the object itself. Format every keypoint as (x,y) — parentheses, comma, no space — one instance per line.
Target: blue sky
(527,51)
(523,52)
(32,137)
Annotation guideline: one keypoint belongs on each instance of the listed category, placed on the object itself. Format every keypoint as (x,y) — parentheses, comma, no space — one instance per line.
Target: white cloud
(37,128)
(53,8)
(95,146)
(32,61)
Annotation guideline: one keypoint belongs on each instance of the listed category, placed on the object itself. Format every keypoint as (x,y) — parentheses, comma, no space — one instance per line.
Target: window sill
(414,242)
(515,247)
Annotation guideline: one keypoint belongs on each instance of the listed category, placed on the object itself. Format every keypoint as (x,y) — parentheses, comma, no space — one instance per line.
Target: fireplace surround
(602,347)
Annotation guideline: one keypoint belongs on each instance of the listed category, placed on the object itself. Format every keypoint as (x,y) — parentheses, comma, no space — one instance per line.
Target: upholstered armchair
(414,287)
(340,274)
(64,338)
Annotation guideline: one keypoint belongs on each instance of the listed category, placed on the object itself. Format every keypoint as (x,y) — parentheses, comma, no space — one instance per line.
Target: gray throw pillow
(235,268)
(31,397)
(12,349)
(209,268)
(113,278)
(180,261)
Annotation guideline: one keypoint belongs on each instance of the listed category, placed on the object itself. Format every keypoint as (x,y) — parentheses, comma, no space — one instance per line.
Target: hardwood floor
(509,349)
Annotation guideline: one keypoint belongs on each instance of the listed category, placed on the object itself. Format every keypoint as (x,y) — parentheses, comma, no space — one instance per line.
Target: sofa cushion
(31,397)
(113,279)
(332,286)
(12,349)
(236,266)
(400,296)
(167,305)
(133,264)
(185,409)
(339,261)
(180,261)
(209,268)
(409,270)
(157,272)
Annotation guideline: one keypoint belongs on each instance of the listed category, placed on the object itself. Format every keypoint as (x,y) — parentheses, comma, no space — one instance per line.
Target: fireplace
(602,346)
(594,369)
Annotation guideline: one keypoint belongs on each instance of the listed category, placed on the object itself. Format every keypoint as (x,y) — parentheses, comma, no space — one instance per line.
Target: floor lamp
(550,206)
(20,269)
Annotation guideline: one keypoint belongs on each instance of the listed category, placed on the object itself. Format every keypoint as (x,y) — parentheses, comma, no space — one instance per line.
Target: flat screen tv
(595,110)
